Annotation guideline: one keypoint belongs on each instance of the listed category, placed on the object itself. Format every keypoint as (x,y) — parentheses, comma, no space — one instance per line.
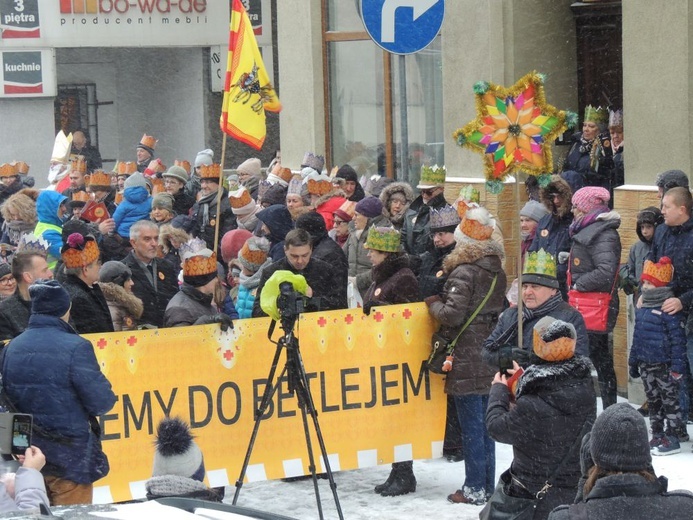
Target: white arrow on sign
(387,28)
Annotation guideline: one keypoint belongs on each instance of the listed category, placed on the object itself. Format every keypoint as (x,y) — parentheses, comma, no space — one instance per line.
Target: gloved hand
(222,319)
(563,257)
(521,356)
(634,371)
(430,300)
(367,308)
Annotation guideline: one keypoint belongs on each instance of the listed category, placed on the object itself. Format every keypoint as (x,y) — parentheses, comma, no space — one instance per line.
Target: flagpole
(219,192)
(518,260)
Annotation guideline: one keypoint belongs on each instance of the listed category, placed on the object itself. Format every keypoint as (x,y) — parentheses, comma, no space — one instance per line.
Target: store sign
(19,19)
(121,23)
(28,73)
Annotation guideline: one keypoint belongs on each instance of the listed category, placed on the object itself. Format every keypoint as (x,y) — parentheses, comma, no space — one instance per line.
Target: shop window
(75,107)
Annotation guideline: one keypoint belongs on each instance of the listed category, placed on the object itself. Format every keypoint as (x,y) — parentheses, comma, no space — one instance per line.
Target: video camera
(15,433)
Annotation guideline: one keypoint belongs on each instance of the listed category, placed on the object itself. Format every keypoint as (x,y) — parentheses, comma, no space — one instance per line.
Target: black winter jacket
(416,232)
(89,312)
(676,242)
(14,316)
(154,300)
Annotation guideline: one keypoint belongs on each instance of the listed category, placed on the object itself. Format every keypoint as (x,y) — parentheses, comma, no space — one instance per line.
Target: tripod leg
(311,460)
(270,390)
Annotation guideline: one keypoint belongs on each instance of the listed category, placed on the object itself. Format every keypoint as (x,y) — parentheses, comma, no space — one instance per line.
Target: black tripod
(298,384)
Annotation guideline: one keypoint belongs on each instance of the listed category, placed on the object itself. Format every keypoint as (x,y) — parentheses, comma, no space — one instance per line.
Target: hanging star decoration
(514,129)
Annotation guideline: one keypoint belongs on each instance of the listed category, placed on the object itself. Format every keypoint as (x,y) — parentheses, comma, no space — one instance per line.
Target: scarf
(655,297)
(528,315)
(589,218)
(205,203)
(252,281)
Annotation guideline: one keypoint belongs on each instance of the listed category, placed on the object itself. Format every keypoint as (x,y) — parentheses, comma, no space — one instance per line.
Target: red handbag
(594,306)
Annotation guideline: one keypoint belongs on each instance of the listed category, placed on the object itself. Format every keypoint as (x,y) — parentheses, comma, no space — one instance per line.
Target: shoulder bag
(441,347)
(593,306)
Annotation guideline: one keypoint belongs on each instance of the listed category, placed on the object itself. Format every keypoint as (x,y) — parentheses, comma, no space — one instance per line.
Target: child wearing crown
(658,357)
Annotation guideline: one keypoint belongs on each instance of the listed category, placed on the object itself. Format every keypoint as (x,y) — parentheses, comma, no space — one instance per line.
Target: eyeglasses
(427,192)
(7,280)
(338,222)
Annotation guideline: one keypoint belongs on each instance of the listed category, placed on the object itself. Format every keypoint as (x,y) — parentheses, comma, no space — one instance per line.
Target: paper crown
(554,340)
(198,260)
(346,211)
(210,171)
(658,274)
(147,142)
(295,185)
(253,253)
(385,239)
(240,198)
(98,178)
(183,164)
(463,207)
(599,115)
(118,198)
(319,185)
(79,251)
(22,167)
(8,170)
(469,194)
(157,166)
(126,167)
(445,217)
(80,196)
(30,243)
(540,268)
(472,225)
(432,175)
(317,162)
(157,185)
(281,173)
(616,119)
(61,147)
(262,188)
(79,164)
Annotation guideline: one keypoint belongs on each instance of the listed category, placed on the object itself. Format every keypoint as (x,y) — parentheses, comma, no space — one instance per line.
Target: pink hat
(589,198)
(232,242)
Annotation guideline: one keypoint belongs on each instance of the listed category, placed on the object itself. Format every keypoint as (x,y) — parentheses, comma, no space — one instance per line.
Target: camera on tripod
(290,302)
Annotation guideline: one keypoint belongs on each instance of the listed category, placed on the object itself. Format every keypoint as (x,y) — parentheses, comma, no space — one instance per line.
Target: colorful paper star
(514,128)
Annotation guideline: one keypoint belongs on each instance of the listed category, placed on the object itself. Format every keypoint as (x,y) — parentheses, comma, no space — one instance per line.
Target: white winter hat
(204,158)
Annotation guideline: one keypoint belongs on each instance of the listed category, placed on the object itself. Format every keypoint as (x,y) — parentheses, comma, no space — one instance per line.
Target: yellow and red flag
(247,90)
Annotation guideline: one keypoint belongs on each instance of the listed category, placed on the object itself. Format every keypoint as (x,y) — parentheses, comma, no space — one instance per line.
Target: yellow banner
(376,403)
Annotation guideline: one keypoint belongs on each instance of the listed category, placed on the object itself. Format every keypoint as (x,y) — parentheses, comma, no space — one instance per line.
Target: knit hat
(384,239)
(148,143)
(136,179)
(347,173)
(554,340)
(115,272)
(534,210)
(369,207)
(199,262)
(619,440)
(672,179)
(48,297)
(658,274)
(251,166)
(444,219)
(254,253)
(346,211)
(178,173)
(477,225)
(316,162)
(5,268)
(176,451)
(590,198)
(205,157)
(241,202)
(79,251)
(275,194)
(313,223)
(432,177)
(232,242)
(163,201)
(279,175)
(540,269)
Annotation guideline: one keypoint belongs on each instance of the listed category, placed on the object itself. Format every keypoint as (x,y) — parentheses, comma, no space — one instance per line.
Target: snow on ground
(436,479)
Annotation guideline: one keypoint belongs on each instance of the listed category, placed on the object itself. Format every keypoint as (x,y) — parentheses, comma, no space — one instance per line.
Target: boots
(401,480)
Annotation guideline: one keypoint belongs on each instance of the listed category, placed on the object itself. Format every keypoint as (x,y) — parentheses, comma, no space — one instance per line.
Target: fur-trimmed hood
(471,253)
(115,294)
(393,263)
(167,232)
(560,186)
(388,191)
(536,376)
(337,192)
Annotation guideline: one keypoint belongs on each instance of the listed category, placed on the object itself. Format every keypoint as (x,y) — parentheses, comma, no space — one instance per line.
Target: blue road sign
(402,26)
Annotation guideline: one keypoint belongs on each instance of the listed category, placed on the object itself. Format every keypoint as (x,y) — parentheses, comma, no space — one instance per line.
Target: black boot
(404,480)
(380,487)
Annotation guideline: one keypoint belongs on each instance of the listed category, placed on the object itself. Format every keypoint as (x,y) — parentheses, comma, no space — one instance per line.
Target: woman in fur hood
(396,198)
(115,281)
(170,239)
(474,271)
(19,214)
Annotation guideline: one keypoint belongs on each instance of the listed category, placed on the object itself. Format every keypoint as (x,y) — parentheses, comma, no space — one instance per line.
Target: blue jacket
(659,338)
(52,373)
(244,302)
(47,205)
(136,205)
(676,242)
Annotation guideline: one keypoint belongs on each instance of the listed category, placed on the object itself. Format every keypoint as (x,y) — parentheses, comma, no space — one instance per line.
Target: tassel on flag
(247,90)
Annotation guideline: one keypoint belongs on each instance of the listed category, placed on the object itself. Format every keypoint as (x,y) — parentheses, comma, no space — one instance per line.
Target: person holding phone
(554,405)
(24,489)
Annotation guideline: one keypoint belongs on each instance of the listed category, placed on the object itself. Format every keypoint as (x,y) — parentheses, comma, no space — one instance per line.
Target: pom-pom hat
(477,225)
(49,297)
(79,251)
(658,274)
(177,453)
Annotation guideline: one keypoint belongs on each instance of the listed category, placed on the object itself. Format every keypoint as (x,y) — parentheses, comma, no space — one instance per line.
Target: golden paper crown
(80,196)
(98,178)
(253,256)
(433,175)
(79,251)
(22,167)
(126,167)
(658,274)
(200,264)
(79,164)
(157,185)
(319,188)
(148,141)
(240,198)
(554,340)
(118,198)
(8,170)
(599,115)
(475,229)
(183,164)
(157,166)
(383,239)
(540,263)
(281,172)
(210,171)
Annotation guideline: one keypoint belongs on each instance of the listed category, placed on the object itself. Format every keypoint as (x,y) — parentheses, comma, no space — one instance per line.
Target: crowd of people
(150,246)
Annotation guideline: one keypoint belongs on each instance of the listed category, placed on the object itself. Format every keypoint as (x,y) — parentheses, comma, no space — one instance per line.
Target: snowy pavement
(436,479)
